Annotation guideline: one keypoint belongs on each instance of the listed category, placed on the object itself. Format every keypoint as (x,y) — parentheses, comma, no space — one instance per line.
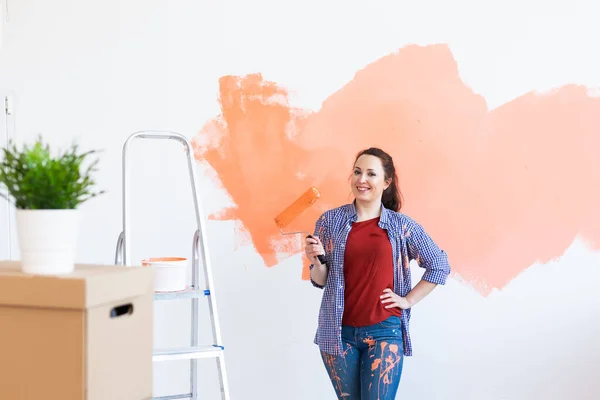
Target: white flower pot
(48,240)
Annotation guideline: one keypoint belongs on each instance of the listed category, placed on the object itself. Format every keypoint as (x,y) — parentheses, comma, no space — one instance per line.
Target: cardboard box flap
(88,286)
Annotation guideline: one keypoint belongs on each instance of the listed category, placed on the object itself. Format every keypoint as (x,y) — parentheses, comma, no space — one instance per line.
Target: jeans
(371,364)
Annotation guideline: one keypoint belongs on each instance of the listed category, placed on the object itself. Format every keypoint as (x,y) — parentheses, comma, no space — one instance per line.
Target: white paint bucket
(169,273)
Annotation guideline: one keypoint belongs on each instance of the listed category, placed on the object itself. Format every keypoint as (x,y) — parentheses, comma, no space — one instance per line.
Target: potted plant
(47,191)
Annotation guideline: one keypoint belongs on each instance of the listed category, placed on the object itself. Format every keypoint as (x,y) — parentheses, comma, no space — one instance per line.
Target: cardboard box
(84,336)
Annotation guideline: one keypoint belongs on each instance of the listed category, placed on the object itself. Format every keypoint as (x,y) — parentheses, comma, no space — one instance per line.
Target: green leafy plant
(38,181)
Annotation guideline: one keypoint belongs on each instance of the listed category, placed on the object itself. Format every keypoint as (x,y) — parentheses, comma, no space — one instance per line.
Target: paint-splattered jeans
(371,365)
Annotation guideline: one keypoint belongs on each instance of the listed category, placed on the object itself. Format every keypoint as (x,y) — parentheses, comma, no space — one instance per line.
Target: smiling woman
(374,178)
(363,330)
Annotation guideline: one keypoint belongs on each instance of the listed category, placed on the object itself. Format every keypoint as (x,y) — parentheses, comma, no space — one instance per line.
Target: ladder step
(187,353)
(174,396)
(189,293)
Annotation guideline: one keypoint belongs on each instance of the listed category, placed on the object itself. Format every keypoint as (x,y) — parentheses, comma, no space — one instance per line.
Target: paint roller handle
(321,257)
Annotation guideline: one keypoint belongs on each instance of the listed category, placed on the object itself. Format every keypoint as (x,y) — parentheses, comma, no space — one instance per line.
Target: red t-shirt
(368,270)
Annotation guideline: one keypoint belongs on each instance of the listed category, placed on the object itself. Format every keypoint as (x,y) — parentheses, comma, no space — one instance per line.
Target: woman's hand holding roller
(313,248)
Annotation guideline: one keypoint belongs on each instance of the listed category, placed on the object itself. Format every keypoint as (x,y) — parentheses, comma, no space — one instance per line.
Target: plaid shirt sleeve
(427,254)
(321,233)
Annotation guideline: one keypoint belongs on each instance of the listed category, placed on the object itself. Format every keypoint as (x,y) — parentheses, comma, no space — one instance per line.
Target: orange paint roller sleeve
(297,207)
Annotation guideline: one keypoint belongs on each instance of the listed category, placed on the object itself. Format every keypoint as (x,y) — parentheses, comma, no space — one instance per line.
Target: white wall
(97,71)
(5,208)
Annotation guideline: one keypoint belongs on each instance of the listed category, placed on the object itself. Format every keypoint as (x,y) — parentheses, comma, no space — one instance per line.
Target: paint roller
(295,209)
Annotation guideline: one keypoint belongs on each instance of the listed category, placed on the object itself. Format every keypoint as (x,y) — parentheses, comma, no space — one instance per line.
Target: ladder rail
(164,135)
(200,254)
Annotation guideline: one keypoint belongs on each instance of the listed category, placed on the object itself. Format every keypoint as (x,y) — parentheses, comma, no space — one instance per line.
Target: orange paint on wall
(497,189)
(256,160)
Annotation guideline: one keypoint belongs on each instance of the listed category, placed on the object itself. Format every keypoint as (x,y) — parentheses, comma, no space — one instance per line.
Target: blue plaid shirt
(409,242)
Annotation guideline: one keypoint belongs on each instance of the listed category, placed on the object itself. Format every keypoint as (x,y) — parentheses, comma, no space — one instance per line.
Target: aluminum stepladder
(195,292)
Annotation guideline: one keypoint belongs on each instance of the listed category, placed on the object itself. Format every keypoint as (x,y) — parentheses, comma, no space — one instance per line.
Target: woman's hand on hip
(391,299)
